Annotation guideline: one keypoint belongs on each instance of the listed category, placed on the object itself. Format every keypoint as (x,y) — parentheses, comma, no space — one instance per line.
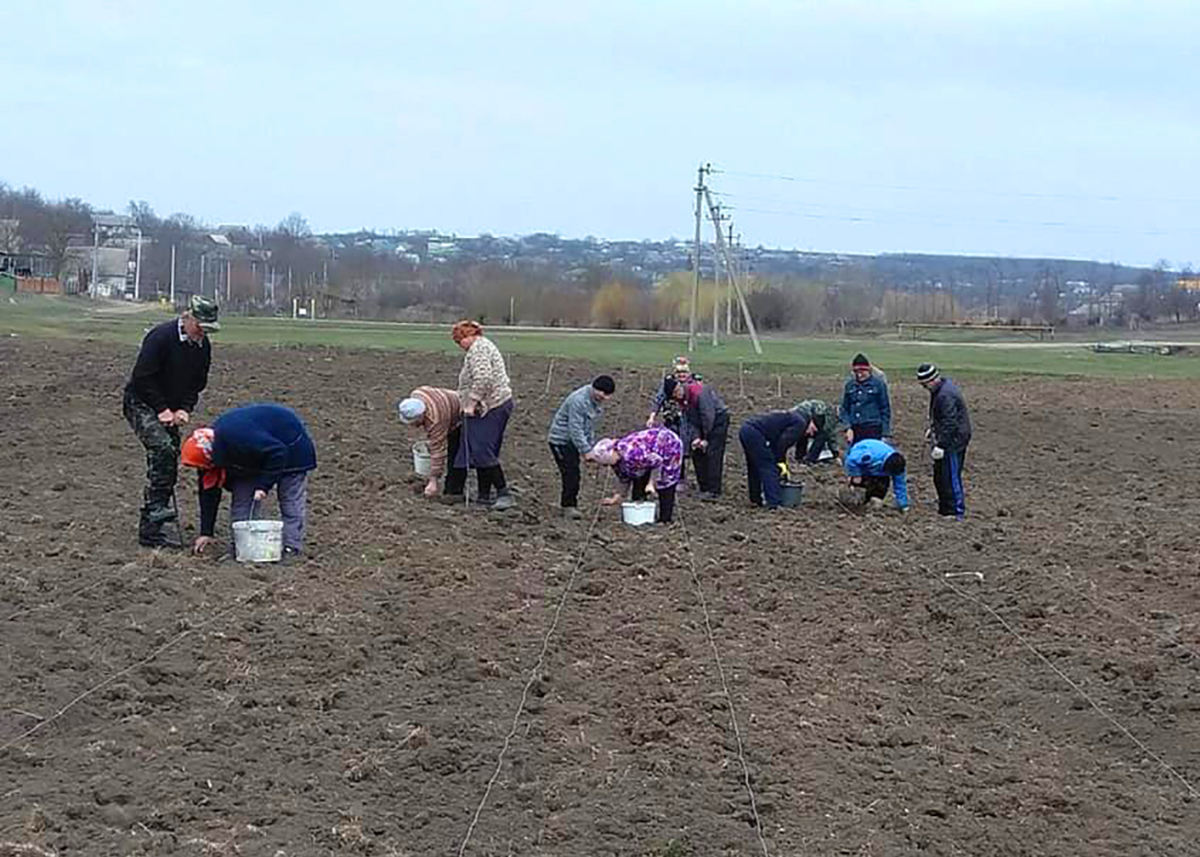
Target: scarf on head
(197,452)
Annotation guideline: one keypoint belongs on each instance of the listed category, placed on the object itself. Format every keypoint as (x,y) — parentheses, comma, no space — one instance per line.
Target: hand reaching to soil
(201,544)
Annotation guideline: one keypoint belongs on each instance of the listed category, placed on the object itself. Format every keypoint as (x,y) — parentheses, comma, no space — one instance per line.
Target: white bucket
(258,541)
(422,460)
(639,513)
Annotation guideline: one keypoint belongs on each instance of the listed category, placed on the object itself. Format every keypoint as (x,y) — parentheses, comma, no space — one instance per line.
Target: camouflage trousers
(162,464)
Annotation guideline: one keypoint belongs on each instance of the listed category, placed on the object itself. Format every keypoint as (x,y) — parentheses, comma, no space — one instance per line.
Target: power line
(943,220)
(959,191)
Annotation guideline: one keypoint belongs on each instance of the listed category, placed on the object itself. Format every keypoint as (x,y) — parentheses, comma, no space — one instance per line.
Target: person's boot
(150,534)
(504,500)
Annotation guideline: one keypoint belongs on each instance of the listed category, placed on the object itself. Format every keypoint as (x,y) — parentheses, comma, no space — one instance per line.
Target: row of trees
(267,266)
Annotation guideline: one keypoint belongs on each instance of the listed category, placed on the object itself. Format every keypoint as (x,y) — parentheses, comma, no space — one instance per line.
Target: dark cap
(860,359)
(605,384)
(204,310)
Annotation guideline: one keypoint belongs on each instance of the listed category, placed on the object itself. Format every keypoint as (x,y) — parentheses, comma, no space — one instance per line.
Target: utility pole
(137,272)
(172,276)
(723,249)
(700,191)
(92,286)
(718,217)
(228,280)
(729,291)
(201,289)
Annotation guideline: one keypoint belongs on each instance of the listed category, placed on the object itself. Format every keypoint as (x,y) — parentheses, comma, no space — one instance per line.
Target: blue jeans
(292,491)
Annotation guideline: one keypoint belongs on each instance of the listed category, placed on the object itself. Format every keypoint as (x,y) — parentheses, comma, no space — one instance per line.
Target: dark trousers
(676,426)
(566,457)
(947,479)
(666,498)
(488,478)
(162,463)
(867,431)
(876,486)
(710,463)
(762,471)
(456,477)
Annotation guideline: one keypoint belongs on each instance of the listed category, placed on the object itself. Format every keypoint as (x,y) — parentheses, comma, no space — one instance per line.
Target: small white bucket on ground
(258,541)
(422,460)
(642,512)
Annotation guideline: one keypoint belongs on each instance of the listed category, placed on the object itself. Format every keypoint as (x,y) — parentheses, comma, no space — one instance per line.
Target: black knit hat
(605,384)
(927,372)
(894,464)
(860,359)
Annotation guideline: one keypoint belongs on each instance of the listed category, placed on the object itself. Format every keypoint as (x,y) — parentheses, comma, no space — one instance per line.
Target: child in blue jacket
(872,465)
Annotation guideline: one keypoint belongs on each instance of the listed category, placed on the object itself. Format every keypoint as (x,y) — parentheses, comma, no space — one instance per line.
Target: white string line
(173,641)
(1059,672)
(1079,690)
(737,732)
(533,677)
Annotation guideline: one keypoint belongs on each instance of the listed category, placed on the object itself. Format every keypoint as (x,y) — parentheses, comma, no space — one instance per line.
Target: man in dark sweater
(248,451)
(950,433)
(170,373)
(766,439)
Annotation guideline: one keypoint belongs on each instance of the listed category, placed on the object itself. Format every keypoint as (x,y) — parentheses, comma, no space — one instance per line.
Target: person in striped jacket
(438,412)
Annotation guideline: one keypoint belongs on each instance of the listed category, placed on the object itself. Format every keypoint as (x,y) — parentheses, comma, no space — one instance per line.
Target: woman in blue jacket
(248,451)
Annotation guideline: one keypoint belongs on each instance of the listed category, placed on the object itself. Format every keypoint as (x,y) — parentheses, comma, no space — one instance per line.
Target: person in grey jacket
(572,434)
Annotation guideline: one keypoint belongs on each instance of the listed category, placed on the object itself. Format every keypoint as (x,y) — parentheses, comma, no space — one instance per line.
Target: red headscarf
(197,452)
(691,393)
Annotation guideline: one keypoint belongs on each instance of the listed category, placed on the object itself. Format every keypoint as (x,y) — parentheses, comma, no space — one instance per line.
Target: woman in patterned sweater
(487,403)
(651,460)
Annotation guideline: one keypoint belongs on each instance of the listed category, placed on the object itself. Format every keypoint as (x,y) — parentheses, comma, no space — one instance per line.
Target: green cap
(204,310)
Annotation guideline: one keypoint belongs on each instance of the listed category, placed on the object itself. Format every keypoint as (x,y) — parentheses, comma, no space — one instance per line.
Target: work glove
(783,470)
(937,453)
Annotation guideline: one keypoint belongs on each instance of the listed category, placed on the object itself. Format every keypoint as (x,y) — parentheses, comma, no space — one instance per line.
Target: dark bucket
(791,493)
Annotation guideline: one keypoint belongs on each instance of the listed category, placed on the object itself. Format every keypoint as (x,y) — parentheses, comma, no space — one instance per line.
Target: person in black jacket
(248,451)
(950,432)
(765,441)
(705,427)
(167,379)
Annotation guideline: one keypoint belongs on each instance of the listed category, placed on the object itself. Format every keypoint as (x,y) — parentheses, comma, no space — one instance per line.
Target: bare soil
(356,702)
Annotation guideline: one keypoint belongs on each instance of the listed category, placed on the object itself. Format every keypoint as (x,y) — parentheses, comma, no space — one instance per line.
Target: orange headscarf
(197,452)
(466,328)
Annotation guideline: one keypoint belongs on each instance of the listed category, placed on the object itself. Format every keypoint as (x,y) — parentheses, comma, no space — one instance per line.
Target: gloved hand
(937,453)
(783,470)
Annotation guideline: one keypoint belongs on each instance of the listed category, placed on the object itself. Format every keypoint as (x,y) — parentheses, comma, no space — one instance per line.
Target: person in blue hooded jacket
(248,451)
(874,466)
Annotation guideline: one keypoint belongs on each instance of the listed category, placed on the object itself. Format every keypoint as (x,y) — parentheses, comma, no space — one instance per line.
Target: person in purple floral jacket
(651,460)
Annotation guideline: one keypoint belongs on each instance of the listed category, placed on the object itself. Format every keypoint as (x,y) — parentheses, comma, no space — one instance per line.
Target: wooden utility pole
(729,292)
(723,250)
(718,218)
(700,195)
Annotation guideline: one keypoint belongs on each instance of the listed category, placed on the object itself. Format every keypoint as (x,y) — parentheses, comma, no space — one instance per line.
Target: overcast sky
(1010,127)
